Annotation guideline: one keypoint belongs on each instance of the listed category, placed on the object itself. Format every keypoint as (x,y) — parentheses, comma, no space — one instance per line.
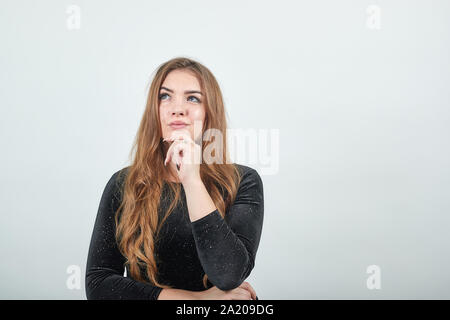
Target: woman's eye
(161,95)
(195,98)
(165,94)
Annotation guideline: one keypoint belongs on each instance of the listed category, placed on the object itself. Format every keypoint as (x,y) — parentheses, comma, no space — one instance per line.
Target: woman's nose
(178,112)
(179,109)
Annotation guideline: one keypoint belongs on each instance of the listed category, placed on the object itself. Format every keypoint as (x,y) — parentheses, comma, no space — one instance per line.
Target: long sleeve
(227,246)
(105,263)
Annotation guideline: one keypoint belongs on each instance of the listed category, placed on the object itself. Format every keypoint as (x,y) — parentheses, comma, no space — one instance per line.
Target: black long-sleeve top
(224,249)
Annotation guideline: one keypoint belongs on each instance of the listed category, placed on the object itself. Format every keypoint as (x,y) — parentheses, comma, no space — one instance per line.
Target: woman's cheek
(198,114)
(197,117)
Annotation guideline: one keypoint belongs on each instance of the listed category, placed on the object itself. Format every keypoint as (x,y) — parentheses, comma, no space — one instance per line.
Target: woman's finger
(180,135)
(243,294)
(248,287)
(171,150)
(176,154)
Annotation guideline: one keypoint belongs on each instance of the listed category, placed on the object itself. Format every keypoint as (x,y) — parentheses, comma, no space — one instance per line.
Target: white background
(363,116)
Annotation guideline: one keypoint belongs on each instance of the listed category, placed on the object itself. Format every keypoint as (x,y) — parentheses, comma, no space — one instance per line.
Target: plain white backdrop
(360,98)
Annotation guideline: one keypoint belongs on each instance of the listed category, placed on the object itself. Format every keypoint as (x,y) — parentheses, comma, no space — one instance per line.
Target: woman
(180,225)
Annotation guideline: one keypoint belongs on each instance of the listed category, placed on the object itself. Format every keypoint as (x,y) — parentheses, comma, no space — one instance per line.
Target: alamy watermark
(373,21)
(73,21)
(73,281)
(374,280)
(260,147)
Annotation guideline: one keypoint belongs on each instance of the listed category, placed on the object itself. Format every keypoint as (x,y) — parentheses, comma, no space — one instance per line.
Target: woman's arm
(198,200)
(178,294)
(105,263)
(227,247)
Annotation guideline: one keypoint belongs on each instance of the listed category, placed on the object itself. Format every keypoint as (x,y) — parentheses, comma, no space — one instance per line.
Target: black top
(224,249)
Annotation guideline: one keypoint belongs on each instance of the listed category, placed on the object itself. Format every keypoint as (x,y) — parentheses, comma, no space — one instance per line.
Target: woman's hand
(244,292)
(186,155)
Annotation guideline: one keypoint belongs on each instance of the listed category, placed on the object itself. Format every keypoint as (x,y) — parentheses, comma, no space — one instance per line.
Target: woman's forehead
(181,80)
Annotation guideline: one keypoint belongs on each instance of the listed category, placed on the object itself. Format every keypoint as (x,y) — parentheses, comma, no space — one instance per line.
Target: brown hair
(138,226)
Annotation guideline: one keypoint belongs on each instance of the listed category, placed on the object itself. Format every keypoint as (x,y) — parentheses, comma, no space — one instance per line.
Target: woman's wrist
(193,183)
(179,294)
(197,295)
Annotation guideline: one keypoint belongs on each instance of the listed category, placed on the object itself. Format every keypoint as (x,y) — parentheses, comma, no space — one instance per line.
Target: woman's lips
(178,126)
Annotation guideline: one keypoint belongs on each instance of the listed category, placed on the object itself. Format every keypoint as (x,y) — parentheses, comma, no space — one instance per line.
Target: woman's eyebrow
(187,91)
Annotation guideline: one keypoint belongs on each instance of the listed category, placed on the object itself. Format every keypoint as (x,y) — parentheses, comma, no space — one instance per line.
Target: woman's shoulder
(249,175)
(251,189)
(115,183)
(245,170)
(119,175)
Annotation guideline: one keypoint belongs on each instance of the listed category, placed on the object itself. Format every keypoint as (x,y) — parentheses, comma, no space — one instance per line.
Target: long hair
(137,219)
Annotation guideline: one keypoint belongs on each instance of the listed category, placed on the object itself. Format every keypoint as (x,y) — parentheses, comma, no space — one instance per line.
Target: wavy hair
(137,220)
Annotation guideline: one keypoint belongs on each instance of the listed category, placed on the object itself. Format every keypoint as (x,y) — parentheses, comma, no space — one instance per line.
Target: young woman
(180,225)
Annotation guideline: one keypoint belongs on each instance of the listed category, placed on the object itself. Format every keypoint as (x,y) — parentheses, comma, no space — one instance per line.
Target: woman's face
(181,100)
